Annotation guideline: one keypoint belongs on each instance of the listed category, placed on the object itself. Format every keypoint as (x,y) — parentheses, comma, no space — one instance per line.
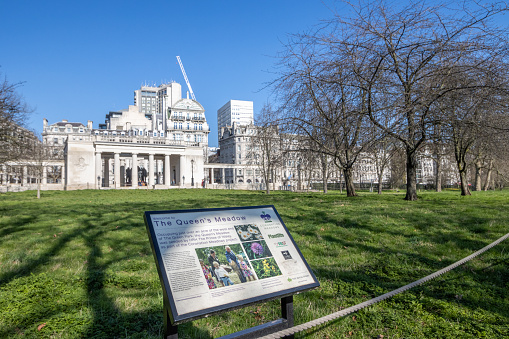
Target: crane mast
(185,78)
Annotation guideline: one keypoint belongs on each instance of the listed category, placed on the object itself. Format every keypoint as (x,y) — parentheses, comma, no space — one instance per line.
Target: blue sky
(81,59)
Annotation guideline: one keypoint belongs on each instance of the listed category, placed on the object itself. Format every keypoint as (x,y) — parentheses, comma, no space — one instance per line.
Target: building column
(234,175)
(221,175)
(24,182)
(4,175)
(106,172)
(151,169)
(134,171)
(64,174)
(167,172)
(98,170)
(116,169)
(182,178)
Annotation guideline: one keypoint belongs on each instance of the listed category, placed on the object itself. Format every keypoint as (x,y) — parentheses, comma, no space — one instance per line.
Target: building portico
(131,162)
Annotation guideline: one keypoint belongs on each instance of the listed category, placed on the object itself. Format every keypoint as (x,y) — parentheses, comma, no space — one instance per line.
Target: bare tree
(266,151)
(323,102)
(400,60)
(13,111)
(382,154)
(473,113)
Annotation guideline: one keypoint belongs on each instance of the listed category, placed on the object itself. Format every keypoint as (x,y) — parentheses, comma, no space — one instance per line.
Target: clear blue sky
(81,59)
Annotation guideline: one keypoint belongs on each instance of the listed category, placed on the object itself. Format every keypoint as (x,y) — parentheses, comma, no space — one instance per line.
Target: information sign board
(213,260)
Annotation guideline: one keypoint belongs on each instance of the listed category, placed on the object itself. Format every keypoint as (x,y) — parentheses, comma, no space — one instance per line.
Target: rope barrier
(355,308)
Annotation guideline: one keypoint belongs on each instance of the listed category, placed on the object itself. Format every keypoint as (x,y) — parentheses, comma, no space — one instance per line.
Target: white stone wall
(80,165)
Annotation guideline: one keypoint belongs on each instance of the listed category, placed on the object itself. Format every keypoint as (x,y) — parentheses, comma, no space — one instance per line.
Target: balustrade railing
(145,140)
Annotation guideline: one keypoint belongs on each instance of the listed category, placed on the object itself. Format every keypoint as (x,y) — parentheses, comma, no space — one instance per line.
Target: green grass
(80,264)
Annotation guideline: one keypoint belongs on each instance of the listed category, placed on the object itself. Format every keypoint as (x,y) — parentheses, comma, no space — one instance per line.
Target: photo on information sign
(224,266)
(257,250)
(266,268)
(248,232)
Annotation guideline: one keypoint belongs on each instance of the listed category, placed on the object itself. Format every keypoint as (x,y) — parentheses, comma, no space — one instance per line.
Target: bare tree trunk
(267,181)
(464,183)
(325,170)
(266,173)
(350,189)
(274,179)
(380,178)
(411,175)
(488,175)
(324,179)
(478,170)
(438,178)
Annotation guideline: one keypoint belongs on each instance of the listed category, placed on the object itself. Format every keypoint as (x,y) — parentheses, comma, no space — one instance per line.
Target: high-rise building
(154,101)
(238,111)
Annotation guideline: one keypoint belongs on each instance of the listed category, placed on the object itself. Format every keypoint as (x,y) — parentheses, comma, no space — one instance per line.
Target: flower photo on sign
(248,232)
(266,268)
(257,250)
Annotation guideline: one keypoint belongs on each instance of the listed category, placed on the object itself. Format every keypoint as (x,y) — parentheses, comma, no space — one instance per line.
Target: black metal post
(170,331)
(287,312)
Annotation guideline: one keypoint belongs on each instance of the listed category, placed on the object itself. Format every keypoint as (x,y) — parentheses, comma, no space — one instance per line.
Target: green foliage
(266,268)
(79,264)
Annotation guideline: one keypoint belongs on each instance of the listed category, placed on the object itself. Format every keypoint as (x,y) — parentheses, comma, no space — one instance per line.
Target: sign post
(214,260)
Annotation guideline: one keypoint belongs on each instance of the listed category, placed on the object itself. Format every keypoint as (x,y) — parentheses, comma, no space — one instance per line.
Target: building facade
(235,111)
(162,142)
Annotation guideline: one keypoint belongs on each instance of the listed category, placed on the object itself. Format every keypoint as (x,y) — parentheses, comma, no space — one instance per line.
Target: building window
(180,125)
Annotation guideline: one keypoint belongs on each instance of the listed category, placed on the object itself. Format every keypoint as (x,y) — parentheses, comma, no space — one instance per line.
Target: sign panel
(212,260)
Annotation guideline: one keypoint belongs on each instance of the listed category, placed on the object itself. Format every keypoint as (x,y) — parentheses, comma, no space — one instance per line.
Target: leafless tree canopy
(13,112)
(267,150)
(390,67)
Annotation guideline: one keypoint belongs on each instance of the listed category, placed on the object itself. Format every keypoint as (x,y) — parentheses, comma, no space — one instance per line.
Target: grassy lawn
(79,264)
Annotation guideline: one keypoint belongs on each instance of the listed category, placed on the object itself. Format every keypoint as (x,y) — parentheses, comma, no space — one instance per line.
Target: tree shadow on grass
(108,320)
(16,226)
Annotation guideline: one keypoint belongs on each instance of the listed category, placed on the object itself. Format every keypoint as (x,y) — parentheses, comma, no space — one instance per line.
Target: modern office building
(238,111)
(153,101)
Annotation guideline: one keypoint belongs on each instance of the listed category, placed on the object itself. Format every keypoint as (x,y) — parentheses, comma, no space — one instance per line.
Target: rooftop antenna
(185,78)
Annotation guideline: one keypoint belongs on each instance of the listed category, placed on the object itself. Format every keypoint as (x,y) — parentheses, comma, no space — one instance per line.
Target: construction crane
(185,77)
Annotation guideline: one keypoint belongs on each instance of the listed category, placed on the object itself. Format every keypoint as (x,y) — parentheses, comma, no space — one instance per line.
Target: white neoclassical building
(159,142)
